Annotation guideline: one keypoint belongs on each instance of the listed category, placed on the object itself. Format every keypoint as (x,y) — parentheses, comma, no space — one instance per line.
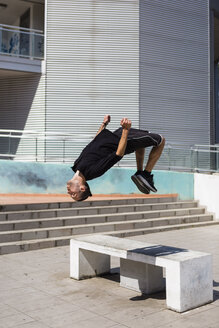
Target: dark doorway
(25,36)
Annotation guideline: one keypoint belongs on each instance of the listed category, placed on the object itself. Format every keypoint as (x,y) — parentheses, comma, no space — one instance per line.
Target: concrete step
(96,210)
(12,225)
(28,245)
(90,203)
(29,234)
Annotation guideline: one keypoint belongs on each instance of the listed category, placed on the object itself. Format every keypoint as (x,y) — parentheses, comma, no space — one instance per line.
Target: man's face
(74,190)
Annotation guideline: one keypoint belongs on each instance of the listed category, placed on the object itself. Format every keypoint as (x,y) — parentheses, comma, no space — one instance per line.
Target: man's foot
(146,178)
(139,184)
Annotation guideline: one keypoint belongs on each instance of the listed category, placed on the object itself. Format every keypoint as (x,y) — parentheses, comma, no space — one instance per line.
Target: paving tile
(34,324)
(177,324)
(209,317)
(127,315)
(15,320)
(68,319)
(197,310)
(59,308)
(119,326)
(182,323)
(94,322)
(32,301)
(6,310)
(152,320)
(9,283)
(15,292)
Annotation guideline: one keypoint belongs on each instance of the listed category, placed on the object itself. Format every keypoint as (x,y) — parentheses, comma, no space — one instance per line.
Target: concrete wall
(28,177)
(206,190)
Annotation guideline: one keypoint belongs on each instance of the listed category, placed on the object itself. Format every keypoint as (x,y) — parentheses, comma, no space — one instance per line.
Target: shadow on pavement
(142,297)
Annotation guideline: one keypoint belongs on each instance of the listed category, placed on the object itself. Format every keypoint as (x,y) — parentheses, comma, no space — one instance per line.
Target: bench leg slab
(86,264)
(189,283)
(141,277)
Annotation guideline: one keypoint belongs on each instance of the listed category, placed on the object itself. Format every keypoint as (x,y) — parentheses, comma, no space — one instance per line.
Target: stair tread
(87,203)
(99,215)
(96,207)
(159,228)
(104,223)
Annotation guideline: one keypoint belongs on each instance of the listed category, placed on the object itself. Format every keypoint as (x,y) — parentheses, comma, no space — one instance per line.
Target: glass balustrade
(21,42)
(61,147)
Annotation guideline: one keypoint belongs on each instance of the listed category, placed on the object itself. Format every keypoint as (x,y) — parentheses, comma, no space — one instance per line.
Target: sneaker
(147,179)
(141,186)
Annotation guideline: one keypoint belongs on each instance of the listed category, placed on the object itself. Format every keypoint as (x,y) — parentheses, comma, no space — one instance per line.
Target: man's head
(78,190)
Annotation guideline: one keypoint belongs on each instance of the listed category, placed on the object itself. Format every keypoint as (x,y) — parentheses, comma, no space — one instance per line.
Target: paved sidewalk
(36,291)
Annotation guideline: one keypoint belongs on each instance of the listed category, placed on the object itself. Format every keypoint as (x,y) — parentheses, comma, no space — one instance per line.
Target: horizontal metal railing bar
(37,134)
(209,146)
(19,55)
(12,27)
(205,151)
(44,133)
(45,138)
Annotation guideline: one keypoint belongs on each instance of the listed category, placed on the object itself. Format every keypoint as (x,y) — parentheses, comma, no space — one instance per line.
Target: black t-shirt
(98,156)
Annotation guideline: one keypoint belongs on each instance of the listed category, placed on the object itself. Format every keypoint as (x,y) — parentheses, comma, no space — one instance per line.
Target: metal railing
(21,42)
(58,147)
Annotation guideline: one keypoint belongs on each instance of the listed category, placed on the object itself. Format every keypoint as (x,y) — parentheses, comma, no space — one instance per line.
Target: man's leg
(139,155)
(154,156)
(144,179)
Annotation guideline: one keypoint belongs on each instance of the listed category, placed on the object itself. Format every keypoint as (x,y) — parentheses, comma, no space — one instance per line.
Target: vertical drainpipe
(211,84)
(45,68)
(139,35)
(211,75)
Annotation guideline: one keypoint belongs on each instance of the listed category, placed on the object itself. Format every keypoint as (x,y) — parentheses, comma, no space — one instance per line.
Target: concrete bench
(188,280)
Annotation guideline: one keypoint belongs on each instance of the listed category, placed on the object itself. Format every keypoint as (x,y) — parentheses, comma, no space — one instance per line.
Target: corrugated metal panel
(174,69)
(92,66)
(22,107)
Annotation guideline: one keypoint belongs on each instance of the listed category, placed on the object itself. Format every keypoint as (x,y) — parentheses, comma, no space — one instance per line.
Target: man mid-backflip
(107,148)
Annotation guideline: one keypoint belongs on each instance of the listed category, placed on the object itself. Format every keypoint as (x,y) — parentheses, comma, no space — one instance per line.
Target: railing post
(31,45)
(63,151)
(36,150)
(9,143)
(192,159)
(169,149)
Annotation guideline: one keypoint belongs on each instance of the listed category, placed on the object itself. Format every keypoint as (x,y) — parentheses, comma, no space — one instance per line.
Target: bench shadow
(142,297)
(215,283)
(113,275)
(215,292)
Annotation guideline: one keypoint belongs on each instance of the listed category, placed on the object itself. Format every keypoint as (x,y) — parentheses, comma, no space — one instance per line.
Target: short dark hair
(85,194)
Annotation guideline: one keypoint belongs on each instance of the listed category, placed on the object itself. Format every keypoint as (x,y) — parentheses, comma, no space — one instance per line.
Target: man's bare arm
(106,121)
(126,125)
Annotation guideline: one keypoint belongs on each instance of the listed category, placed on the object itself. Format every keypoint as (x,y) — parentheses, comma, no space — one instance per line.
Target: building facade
(65,64)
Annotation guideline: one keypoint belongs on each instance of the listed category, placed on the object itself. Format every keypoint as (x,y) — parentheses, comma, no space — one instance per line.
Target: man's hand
(125,123)
(106,119)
